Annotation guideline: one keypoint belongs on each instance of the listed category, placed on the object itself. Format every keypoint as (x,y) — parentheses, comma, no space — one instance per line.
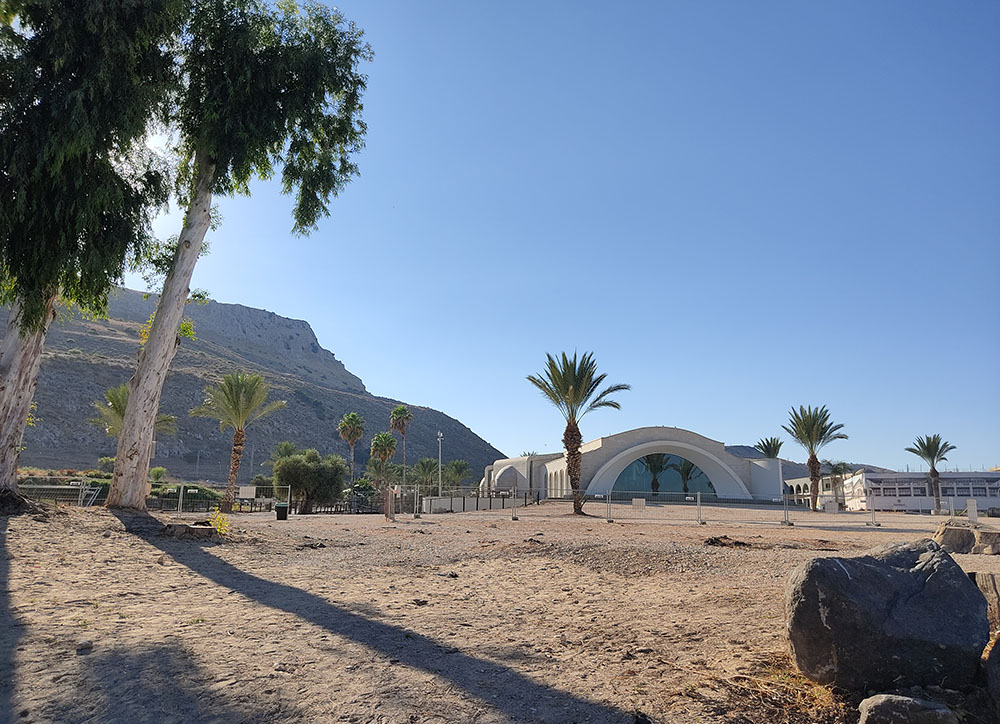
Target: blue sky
(738,207)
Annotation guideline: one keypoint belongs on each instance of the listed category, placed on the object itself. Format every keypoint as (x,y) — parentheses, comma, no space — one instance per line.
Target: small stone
(84,646)
(892,709)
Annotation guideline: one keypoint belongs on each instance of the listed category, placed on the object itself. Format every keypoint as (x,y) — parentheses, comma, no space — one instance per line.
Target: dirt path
(457,618)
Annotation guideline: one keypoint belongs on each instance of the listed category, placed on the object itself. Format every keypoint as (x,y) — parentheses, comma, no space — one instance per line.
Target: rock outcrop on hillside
(84,357)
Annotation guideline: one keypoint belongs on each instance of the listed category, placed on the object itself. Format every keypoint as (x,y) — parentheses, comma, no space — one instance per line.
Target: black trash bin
(281,510)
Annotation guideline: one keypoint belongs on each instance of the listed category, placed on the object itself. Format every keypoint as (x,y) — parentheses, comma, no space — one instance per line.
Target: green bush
(106,465)
(157,474)
(199,492)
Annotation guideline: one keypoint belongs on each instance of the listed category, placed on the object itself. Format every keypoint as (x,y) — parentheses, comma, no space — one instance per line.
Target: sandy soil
(450,618)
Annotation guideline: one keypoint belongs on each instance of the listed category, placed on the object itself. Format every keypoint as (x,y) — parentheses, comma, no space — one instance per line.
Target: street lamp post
(440,487)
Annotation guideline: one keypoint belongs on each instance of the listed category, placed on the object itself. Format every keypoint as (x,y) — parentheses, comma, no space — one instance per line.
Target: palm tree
(838,471)
(399,418)
(456,471)
(351,429)
(769,446)
(688,472)
(238,400)
(426,472)
(656,465)
(382,449)
(932,450)
(111,412)
(571,386)
(811,428)
(284,449)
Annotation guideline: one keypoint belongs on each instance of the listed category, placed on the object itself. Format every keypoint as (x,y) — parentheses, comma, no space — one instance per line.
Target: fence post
(180,498)
(874,523)
(416,498)
(610,519)
(784,500)
(951,507)
(698,499)
(513,504)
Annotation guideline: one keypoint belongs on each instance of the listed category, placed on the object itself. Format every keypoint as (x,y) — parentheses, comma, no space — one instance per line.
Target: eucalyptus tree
(239,399)
(264,87)
(572,386)
(770,447)
(932,450)
(812,428)
(351,429)
(79,91)
(399,420)
(111,412)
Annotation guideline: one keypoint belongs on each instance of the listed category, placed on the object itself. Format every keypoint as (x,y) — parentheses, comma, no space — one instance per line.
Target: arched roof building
(647,459)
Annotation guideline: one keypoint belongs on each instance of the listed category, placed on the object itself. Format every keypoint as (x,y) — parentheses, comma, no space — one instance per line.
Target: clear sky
(738,207)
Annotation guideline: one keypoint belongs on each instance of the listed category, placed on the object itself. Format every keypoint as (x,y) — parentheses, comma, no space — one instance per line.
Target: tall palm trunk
(654,484)
(572,441)
(20,359)
(814,475)
(352,464)
(239,438)
(129,485)
(403,488)
(936,487)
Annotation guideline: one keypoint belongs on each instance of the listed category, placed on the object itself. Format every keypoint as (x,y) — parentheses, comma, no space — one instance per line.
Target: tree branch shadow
(10,631)
(507,691)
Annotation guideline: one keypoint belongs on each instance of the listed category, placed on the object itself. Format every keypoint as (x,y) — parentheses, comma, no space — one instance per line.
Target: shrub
(157,474)
(106,465)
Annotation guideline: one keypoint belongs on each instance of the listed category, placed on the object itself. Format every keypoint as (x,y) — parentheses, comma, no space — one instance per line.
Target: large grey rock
(992,671)
(892,709)
(905,615)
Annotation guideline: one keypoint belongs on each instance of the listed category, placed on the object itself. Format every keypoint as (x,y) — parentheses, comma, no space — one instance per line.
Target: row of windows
(945,492)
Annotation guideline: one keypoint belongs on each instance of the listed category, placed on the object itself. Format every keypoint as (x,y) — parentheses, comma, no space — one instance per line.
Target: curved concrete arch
(509,477)
(725,481)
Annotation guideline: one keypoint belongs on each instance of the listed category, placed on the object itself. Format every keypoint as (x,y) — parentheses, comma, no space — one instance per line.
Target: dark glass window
(663,473)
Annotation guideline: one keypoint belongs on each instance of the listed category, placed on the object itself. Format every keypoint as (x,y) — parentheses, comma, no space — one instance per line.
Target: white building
(912,491)
(652,460)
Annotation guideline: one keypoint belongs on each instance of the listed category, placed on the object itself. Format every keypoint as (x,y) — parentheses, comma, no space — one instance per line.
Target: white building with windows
(911,492)
(651,460)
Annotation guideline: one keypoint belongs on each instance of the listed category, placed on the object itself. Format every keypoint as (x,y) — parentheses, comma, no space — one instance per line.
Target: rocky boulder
(959,536)
(892,709)
(905,615)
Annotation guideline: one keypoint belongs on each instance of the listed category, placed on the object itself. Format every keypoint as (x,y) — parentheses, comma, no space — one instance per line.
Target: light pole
(440,487)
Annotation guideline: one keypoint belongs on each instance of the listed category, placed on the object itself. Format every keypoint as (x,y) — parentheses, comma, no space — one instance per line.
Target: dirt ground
(450,618)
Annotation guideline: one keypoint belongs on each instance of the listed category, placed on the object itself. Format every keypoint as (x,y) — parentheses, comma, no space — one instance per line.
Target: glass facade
(663,473)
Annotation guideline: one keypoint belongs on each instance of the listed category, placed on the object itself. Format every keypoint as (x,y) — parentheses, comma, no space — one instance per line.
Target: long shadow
(504,689)
(10,631)
(153,684)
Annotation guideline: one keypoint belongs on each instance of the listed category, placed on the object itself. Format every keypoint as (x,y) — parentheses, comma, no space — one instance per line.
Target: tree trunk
(814,475)
(572,441)
(20,359)
(129,485)
(654,485)
(239,437)
(352,465)
(936,486)
(403,435)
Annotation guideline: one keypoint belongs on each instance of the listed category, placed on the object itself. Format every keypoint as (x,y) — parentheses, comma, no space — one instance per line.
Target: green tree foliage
(573,387)
(265,88)
(157,475)
(314,480)
(80,86)
(106,464)
(351,429)
(382,449)
(111,412)
(770,447)
(283,449)
(932,450)
(812,428)
(426,474)
(399,420)
(457,472)
(238,400)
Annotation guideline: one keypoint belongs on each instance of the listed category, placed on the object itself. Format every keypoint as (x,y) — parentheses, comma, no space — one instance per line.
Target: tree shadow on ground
(10,631)
(506,691)
(159,684)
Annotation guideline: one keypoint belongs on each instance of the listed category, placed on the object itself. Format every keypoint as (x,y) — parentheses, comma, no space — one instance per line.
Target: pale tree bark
(20,359)
(130,484)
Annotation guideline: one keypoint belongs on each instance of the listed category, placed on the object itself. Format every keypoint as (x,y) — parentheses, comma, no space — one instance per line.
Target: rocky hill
(791,469)
(84,357)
